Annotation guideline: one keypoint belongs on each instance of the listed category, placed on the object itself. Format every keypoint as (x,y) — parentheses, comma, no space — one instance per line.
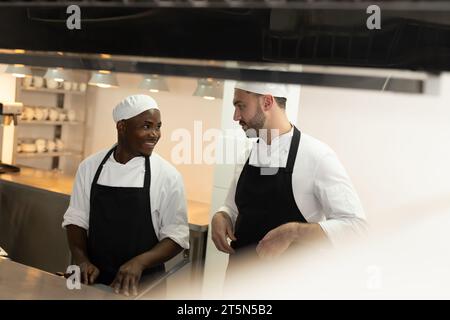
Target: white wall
(179,109)
(395,147)
(7,85)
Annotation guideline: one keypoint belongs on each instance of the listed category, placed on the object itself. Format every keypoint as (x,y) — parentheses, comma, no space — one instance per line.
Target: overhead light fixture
(56,74)
(154,83)
(209,89)
(103,79)
(19,70)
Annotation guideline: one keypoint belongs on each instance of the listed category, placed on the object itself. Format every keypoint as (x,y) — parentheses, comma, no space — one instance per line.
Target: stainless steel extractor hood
(339,77)
(414,35)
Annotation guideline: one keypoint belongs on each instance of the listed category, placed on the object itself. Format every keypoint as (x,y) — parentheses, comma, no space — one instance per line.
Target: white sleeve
(229,207)
(174,222)
(78,211)
(344,213)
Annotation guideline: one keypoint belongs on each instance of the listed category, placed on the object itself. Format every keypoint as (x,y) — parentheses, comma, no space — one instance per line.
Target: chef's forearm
(310,232)
(163,251)
(77,238)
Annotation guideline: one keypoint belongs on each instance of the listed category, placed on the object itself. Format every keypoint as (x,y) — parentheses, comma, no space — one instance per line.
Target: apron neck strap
(100,167)
(295,142)
(147,179)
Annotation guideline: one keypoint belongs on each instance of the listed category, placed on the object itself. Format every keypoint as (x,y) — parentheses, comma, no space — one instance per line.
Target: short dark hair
(281,101)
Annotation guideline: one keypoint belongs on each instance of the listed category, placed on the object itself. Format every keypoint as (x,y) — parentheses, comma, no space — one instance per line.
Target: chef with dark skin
(127,212)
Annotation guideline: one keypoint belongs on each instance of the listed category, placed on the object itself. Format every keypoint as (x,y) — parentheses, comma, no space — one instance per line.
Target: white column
(7,94)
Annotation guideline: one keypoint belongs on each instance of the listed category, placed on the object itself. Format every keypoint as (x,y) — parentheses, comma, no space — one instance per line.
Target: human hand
(89,272)
(127,278)
(222,230)
(278,240)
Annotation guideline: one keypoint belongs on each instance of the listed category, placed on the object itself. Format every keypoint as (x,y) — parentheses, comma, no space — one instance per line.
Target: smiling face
(140,134)
(248,110)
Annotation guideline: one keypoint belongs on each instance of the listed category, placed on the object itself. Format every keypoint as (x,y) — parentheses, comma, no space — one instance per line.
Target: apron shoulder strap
(295,142)
(147,179)
(100,167)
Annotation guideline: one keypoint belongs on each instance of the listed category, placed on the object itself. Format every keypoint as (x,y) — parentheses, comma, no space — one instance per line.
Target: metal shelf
(46,90)
(48,122)
(48,154)
(71,132)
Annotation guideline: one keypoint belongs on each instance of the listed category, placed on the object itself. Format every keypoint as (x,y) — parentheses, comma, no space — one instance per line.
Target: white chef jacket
(167,196)
(322,189)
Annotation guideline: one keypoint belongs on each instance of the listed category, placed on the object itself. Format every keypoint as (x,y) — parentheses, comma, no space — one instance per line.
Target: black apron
(120,225)
(264,202)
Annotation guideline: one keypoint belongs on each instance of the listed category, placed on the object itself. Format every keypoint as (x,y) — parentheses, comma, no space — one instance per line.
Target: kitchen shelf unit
(72,133)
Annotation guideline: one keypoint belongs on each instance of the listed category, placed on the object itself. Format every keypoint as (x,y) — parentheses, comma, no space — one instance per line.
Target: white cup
(23,115)
(27,81)
(52,84)
(41,145)
(28,113)
(74,86)
(71,115)
(39,114)
(62,116)
(67,85)
(51,145)
(45,112)
(53,115)
(38,81)
(59,144)
(83,87)
(28,145)
(41,149)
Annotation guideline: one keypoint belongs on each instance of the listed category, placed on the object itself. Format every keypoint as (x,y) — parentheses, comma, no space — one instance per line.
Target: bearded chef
(298,193)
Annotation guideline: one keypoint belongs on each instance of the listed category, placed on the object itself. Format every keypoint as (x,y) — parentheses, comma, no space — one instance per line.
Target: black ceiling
(412,38)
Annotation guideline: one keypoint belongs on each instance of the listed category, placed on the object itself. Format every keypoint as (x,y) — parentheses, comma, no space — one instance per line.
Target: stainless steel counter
(51,181)
(18,281)
(30,226)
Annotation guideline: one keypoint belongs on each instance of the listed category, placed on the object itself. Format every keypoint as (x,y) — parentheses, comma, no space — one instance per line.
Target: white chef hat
(275,89)
(132,106)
